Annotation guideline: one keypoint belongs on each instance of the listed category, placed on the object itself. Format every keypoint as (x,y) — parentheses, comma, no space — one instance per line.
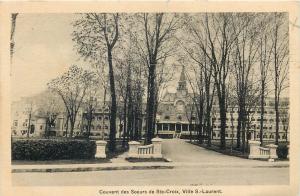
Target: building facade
(176,117)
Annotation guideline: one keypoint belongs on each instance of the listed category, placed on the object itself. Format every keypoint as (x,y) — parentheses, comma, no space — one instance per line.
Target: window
(258,136)
(214,134)
(106,117)
(179,117)
(41,127)
(226,135)
(15,123)
(167,117)
(265,136)
(271,136)
(99,118)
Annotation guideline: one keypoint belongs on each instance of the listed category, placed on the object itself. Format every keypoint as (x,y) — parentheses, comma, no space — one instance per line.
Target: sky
(43,50)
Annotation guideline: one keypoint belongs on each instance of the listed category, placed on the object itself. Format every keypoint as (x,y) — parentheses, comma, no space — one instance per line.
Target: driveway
(179,150)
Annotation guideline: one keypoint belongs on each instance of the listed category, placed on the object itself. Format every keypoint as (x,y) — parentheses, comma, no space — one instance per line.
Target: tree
(244,57)
(280,54)
(96,36)
(71,87)
(284,118)
(158,30)
(265,58)
(218,30)
(12,33)
(50,105)
(193,46)
(90,102)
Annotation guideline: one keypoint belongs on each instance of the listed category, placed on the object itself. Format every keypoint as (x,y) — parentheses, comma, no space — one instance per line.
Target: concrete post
(157,147)
(273,153)
(133,149)
(100,151)
(254,149)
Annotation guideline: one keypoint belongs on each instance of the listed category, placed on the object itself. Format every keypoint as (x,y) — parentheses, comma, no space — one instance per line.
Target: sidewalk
(123,165)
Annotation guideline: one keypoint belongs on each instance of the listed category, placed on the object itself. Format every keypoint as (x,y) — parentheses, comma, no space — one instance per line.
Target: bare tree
(265,58)
(49,104)
(194,45)
(280,54)
(158,30)
(90,102)
(244,57)
(96,36)
(12,34)
(218,30)
(71,87)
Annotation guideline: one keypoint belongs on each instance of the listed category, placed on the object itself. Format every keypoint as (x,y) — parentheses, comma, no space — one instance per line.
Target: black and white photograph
(164,99)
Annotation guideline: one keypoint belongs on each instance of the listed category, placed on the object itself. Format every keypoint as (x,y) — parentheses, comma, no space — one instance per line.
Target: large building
(176,117)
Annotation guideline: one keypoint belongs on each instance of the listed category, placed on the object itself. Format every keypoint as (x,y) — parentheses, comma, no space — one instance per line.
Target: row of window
(98,127)
(265,136)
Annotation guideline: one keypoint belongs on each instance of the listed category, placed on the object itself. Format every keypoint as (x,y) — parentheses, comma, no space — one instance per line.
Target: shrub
(282,151)
(52,149)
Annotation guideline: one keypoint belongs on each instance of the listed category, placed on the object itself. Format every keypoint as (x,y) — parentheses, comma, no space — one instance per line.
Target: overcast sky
(43,50)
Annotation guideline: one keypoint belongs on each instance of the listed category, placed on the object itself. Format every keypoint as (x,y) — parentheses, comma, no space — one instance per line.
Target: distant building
(176,117)
(26,119)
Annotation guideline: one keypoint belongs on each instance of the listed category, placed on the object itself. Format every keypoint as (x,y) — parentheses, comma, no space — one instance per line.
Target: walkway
(179,150)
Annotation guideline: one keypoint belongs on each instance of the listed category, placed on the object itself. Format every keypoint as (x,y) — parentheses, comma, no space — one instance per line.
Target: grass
(228,151)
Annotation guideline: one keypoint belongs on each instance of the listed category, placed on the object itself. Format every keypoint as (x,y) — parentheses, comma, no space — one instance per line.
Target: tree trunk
(151,102)
(113,108)
(262,112)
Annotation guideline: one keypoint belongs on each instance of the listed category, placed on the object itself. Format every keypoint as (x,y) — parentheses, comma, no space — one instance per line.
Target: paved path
(181,151)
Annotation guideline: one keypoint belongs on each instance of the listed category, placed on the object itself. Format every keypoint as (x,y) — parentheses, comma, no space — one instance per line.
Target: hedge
(52,149)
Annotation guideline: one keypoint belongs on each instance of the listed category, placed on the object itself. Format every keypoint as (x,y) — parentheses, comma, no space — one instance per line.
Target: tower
(182,87)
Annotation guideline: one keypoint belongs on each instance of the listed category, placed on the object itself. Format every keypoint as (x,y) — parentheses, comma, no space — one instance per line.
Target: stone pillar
(273,153)
(100,151)
(254,149)
(133,149)
(157,147)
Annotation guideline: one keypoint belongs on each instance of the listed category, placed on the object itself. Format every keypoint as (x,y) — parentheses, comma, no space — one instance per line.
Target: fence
(258,152)
(136,150)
